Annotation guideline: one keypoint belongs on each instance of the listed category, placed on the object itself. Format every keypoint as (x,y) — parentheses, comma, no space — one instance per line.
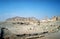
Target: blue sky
(29,8)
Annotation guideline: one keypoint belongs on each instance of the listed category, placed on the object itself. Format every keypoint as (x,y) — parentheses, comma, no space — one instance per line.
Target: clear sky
(29,8)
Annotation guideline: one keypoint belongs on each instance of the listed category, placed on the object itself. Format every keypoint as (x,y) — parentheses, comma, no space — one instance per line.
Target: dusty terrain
(31,28)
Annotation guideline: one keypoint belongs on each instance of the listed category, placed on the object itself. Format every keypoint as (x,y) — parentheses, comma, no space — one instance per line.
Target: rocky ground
(12,30)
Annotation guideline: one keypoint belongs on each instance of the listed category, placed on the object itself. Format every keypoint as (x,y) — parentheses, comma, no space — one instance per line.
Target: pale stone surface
(21,25)
(31,20)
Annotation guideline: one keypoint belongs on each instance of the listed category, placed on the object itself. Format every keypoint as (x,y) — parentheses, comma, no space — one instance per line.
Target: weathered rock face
(59,18)
(22,20)
(54,18)
(21,26)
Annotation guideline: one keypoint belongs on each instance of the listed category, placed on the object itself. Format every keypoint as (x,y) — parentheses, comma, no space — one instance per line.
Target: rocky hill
(23,20)
(27,27)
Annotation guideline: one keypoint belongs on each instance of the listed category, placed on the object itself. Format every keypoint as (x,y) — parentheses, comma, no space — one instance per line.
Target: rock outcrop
(22,20)
(28,27)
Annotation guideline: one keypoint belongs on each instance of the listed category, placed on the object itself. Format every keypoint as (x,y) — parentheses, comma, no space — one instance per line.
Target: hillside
(28,27)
